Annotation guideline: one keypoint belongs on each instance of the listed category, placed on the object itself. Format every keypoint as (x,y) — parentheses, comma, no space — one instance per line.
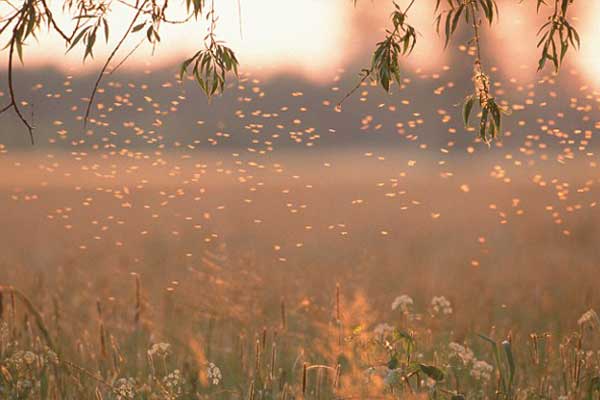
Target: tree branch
(11,90)
(107,62)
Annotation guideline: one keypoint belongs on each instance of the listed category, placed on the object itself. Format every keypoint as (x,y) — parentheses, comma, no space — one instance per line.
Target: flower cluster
(214,374)
(124,389)
(21,371)
(22,360)
(173,383)
(481,370)
(159,349)
(403,302)
(441,305)
(463,353)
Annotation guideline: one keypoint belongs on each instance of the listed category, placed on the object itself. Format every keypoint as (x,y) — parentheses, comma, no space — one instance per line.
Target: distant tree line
(24,20)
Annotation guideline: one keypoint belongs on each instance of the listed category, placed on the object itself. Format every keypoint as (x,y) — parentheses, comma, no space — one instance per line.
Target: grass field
(334,277)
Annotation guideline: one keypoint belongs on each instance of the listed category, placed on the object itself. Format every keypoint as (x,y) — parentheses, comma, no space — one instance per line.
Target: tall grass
(416,354)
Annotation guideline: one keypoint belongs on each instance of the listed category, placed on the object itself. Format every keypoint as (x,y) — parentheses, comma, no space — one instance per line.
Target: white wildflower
(441,305)
(124,389)
(173,382)
(403,302)
(481,370)
(29,358)
(16,360)
(214,374)
(159,349)
(462,352)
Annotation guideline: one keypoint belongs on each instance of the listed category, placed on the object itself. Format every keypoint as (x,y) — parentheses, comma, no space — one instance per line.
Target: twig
(11,90)
(112,71)
(368,72)
(53,22)
(107,62)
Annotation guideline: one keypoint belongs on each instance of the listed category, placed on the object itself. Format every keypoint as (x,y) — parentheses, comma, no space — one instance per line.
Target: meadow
(338,281)
(337,221)
(271,245)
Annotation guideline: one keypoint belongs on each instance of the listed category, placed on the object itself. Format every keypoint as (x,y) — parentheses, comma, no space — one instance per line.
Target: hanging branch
(212,63)
(556,35)
(91,20)
(27,20)
(385,66)
(13,100)
(491,114)
(108,60)
(490,121)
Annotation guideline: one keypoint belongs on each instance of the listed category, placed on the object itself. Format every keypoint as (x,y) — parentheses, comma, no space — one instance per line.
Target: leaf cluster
(556,35)
(213,63)
(210,66)
(90,19)
(196,7)
(399,41)
(490,123)
(467,9)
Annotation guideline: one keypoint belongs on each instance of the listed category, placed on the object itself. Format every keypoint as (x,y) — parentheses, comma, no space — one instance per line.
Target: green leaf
(138,27)
(20,50)
(433,372)
(482,126)
(467,108)
(77,38)
(106,29)
(511,361)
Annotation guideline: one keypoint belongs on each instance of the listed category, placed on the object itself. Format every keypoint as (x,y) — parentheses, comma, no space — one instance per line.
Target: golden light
(373,19)
(513,40)
(310,38)
(588,59)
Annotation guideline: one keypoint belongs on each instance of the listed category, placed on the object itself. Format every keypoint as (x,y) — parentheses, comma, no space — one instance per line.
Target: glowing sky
(314,38)
(309,37)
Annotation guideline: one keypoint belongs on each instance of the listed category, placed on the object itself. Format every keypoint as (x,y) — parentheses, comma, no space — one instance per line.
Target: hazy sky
(314,38)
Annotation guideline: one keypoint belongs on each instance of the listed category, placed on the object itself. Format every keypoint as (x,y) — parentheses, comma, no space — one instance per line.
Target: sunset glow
(310,38)
(314,39)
